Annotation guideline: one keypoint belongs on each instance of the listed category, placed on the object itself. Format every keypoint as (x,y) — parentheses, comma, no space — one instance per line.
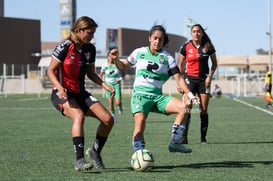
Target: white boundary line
(33,99)
(255,107)
(25,108)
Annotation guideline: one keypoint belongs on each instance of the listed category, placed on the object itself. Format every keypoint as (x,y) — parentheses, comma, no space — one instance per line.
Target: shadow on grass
(223,164)
(244,142)
(98,171)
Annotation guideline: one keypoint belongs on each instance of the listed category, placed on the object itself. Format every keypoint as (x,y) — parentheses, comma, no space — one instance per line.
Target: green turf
(36,144)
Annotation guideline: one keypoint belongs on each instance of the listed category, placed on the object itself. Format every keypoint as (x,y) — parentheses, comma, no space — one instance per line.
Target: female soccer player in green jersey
(154,66)
(112,77)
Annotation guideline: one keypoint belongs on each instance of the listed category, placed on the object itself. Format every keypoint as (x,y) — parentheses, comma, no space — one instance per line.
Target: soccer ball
(142,160)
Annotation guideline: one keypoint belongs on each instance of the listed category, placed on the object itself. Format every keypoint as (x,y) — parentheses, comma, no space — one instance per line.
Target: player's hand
(267,87)
(62,93)
(193,99)
(208,82)
(179,89)
(111,89)
(113,94)
(114,53)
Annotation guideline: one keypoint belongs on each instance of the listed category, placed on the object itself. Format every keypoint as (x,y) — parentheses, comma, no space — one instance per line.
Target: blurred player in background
(71,61)
(113,77)
(154,66)
(217,93)
(196,53)
(268,87)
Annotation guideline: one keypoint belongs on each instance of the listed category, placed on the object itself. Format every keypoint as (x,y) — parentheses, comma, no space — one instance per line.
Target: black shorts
(85,100)
(197,85)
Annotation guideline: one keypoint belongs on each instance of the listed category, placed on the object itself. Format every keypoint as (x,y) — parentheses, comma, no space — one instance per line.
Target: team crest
(204,50)
(137,105)
(161,59)
(87,55)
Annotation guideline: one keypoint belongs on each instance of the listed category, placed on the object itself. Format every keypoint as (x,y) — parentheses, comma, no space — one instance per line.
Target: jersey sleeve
(102,70)
(91,49)
(61,50)
(182,50)
(173,68)
(132,59)
(171,61)
(211,50)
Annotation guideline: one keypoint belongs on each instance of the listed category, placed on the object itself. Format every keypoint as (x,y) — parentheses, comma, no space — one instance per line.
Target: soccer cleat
(81,165)
(203,140)
(184,140)
(115,119)
(178,148)
(96,157)
(120,110)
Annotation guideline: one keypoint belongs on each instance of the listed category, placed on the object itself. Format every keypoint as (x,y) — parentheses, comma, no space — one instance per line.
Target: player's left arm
(212,70)
(92,75)
(184,89)
(214,64)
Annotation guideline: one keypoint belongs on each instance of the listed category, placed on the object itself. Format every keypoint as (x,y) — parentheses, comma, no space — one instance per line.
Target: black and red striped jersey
(72,71)
(196,59)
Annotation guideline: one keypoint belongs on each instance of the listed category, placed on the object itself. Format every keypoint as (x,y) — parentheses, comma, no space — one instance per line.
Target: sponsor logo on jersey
(72,56)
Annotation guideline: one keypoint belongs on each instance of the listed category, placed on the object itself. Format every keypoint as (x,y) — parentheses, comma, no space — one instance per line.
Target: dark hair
(205,37)
(162,29)
(206,42)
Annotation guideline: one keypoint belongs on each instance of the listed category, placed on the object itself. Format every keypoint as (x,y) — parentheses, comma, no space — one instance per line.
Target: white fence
(236,84)
(244,86)
(239,86)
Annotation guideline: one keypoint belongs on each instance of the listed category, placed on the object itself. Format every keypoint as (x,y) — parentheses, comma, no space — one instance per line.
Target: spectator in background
(217,93)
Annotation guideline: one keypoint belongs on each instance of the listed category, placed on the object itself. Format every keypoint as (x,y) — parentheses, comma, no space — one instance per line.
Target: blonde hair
(82,23)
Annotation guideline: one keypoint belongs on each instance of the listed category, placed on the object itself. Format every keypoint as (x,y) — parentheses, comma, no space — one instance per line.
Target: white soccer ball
(142,160)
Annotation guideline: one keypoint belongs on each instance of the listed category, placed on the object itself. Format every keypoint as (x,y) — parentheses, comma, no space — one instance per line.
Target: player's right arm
(53,66)
(181,63)
(121,65)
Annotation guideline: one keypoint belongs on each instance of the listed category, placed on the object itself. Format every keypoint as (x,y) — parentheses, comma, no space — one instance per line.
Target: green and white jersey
(112,74)
(151,70)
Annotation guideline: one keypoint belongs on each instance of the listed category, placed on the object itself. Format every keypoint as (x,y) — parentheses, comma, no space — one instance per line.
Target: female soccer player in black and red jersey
(71,61)
(195,55)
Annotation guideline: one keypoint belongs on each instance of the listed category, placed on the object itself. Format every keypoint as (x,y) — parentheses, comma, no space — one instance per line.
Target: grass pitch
(36,143)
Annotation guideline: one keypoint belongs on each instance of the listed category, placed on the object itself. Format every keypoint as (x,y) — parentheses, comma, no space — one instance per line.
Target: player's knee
(109,121)
(79,118)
